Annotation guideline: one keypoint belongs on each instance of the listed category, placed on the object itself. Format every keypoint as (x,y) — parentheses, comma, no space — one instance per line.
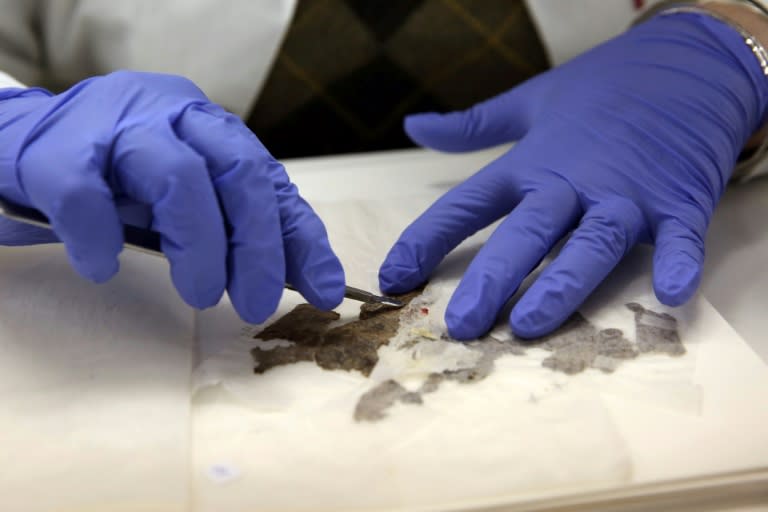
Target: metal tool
(148,241)
(353,293)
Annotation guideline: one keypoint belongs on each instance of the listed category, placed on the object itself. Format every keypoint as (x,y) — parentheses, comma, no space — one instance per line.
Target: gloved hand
(633,141)
(227,213)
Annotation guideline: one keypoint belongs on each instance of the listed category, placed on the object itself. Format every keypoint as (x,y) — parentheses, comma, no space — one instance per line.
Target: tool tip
(389,301)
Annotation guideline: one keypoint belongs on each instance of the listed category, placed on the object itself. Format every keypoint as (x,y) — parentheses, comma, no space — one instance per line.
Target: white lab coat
(225,46)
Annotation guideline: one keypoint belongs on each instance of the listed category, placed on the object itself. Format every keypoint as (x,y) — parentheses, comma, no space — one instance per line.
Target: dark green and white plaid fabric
(349,70)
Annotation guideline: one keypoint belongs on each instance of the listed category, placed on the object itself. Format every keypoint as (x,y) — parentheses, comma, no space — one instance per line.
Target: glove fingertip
(468,315)
(538,313)
(459,326)
(467,325)
(259,308)
(312,267)
(95,271)
(331,296)
(676,283)
(417,124)
(528,324)
(401,270)
(198,277)
(327,291)
(94,254)
(204,295)
(433,130)
(394,278)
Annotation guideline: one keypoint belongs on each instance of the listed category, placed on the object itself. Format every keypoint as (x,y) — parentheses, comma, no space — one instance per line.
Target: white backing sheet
(94,387)
(288,439)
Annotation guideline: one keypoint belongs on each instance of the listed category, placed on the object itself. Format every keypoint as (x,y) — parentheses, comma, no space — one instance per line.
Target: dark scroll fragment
(351,346)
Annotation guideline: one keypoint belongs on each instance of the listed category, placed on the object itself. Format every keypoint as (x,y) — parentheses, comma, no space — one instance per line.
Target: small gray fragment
(573,346)
(576,330)
(411,398)
(656,332)
(612,343)
(372,406)
(578,345)
(606,364)
(432,383)
(571,359)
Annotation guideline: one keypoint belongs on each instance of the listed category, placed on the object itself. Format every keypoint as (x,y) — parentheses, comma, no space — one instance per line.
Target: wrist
(749,18)
(742,15)
(725,24)
(755,23)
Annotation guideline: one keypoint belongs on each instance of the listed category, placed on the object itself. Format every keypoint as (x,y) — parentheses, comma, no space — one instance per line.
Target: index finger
(462,211)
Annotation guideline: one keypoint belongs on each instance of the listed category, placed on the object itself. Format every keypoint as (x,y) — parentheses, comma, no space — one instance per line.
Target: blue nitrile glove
(633,141)
(228,215)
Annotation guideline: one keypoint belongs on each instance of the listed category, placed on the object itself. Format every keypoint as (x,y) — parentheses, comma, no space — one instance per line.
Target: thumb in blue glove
(631,142)
(228,216)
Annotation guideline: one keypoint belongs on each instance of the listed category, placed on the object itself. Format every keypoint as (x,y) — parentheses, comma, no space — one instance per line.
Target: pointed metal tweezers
(148,241)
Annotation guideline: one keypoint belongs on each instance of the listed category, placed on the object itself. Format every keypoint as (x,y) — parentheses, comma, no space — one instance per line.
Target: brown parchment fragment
(351,346)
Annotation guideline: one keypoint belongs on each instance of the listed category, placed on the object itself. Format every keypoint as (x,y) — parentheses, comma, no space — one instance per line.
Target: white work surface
(95,390)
